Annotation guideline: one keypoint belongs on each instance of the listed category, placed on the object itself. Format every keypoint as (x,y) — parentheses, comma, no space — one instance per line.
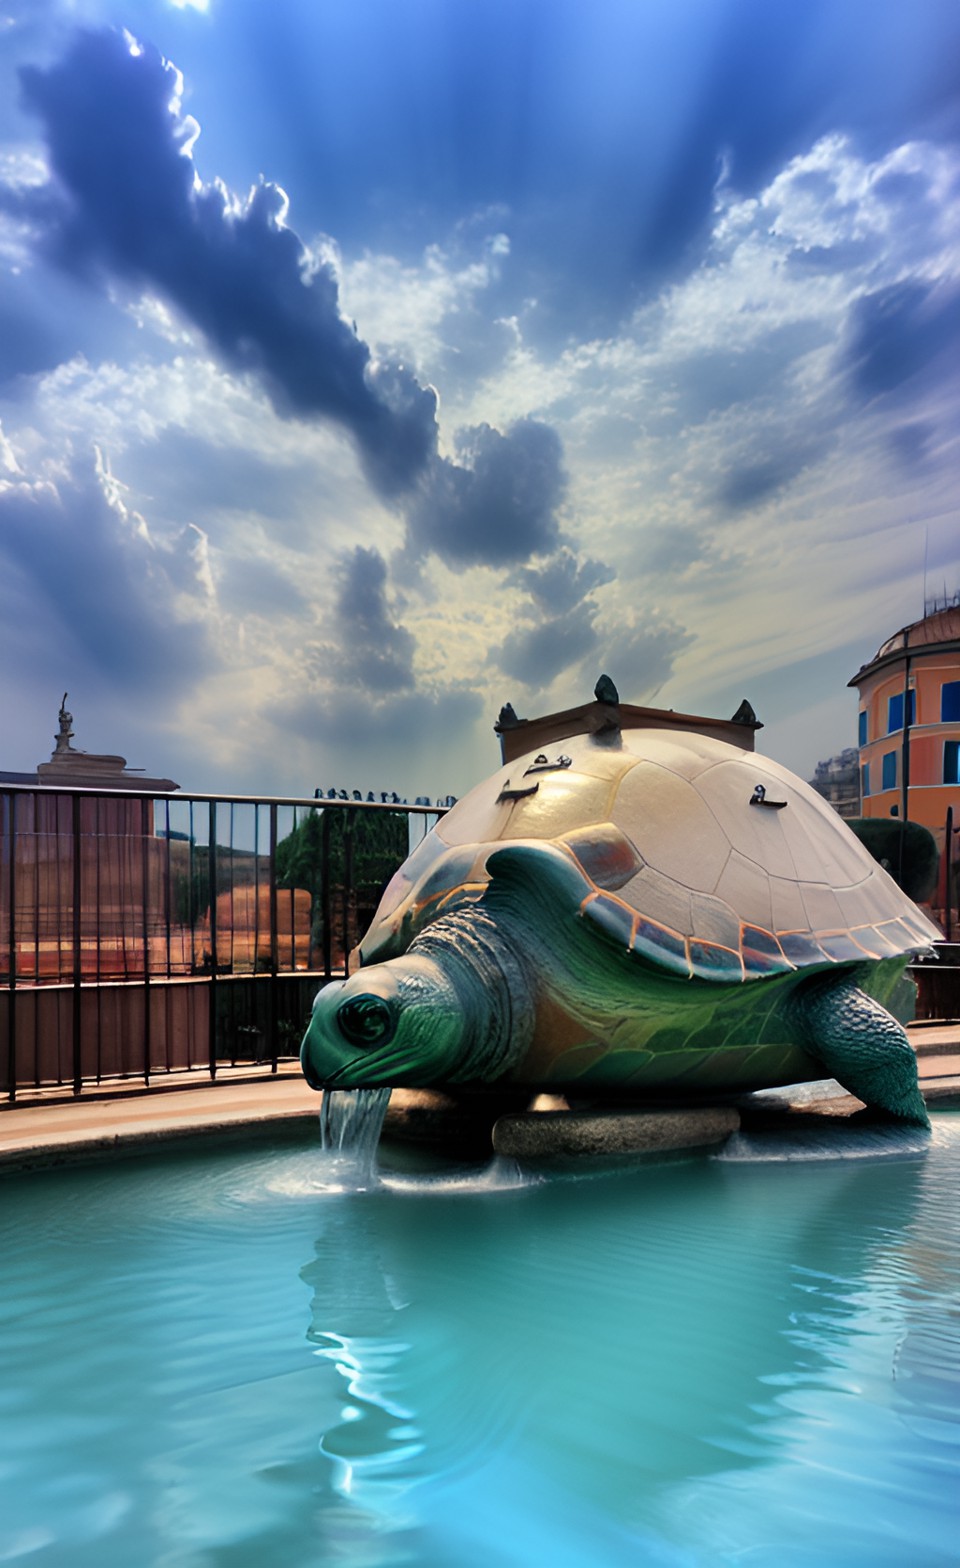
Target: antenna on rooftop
(926,546)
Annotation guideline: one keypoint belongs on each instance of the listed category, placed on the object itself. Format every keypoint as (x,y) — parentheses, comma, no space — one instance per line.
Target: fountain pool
(233,1358)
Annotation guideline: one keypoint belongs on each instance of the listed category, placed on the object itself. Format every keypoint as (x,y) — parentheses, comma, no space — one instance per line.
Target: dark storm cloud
(100,591)
(537,655)
(127,202)
(561,583)
(496,505)
(133,207)
(901,333)
(371,650)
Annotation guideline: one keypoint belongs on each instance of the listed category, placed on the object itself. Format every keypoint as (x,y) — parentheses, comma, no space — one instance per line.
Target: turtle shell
(702,859)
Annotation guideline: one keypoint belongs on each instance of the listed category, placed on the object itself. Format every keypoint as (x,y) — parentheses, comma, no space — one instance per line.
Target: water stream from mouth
(350,1124)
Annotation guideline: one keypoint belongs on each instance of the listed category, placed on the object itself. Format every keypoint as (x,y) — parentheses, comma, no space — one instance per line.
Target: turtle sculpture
(649,913)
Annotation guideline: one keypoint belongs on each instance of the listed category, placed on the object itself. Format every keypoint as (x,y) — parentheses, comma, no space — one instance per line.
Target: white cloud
(411,311)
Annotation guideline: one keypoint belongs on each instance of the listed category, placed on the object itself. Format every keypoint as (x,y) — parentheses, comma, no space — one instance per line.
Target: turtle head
(396,1023)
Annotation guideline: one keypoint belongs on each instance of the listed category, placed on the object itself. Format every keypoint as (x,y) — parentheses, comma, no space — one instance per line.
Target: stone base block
(552,1135)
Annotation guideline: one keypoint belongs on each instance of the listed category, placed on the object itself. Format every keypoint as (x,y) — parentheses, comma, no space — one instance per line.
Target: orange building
(909,736)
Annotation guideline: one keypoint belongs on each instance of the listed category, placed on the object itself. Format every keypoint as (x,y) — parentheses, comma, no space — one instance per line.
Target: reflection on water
(205,1363)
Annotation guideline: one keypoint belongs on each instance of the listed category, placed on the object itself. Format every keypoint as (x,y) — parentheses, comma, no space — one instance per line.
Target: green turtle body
(646,914)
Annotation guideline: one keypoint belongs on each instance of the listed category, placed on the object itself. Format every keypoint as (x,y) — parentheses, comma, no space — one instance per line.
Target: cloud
(908,330)
(372,651)
(537,655)
(562,582)
(497,504)
(109,603)
(133,206)
(752,480)
(406,308)
(640,655)
(356,730)
(126,202)
(682,550)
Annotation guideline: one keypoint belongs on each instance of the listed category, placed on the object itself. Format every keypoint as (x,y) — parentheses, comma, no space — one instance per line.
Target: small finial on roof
(746,715)
(605,691)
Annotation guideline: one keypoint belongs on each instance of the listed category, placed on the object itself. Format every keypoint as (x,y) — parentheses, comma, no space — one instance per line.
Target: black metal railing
(144,934)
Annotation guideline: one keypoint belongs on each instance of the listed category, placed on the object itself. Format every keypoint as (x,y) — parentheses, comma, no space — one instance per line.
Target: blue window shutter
(950,702)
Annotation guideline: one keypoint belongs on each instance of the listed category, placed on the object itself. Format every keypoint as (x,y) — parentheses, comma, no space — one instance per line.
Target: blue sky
(366,365)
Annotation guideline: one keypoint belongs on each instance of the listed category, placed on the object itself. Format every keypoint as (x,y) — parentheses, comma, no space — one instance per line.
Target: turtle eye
(366,1020)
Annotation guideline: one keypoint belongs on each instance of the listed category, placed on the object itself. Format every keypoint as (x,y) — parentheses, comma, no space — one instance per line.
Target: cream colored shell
(768,878)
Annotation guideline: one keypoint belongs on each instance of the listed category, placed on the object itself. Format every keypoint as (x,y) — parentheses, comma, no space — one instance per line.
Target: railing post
(212,878)
(274,938)
(12,993)
(77,951)
(325,908)
(349,819)
(947,876)
(145,823)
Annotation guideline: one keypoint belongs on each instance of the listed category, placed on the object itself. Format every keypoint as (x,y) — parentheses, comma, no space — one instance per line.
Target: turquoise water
(234,1359)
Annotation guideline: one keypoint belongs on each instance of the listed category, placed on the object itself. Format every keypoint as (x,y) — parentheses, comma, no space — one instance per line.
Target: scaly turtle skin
(650,913)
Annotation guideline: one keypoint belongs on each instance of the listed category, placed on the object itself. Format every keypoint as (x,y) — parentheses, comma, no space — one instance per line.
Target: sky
(368,364)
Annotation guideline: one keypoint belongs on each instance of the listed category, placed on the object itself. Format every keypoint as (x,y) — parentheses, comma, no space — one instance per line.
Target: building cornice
(913,652)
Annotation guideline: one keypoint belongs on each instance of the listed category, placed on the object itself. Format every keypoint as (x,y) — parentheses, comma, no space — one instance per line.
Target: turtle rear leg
(863,1047)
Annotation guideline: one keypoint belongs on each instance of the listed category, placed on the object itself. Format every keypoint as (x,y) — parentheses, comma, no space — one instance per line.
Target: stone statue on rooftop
(65,735)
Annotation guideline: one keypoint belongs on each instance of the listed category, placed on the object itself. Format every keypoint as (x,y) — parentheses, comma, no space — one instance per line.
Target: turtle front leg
(863,1047)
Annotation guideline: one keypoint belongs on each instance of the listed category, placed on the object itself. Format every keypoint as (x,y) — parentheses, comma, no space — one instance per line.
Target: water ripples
(226,1356)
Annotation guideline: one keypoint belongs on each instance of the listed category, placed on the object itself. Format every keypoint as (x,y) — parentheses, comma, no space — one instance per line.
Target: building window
(895,710)
(951,759)
(862,737)
(889,780)
(865,780)
(950,702)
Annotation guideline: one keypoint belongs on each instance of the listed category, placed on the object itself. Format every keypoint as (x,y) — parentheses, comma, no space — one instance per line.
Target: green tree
(364,849)
(904,849)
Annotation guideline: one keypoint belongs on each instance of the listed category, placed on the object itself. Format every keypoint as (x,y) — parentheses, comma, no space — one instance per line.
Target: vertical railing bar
(99,911)
(232,1033)
(36,953)
(191,910)
(145,823)
(326,911)
(36,919)
(12,993)
(98,803)
(256,889)
(274,939)
(233,912)
(212,878)
(947,879)
(167,910)
(77,957)
(349,819)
